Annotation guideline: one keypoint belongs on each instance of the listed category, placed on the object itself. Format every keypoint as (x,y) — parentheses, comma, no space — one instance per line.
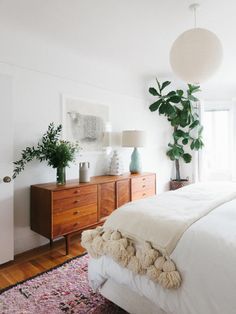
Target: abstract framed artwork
(84,121)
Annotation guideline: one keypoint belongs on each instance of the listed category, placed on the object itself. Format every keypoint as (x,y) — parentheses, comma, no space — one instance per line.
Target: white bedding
(206,258)
(162,219)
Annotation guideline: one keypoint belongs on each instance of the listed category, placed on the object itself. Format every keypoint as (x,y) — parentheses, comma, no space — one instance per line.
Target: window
(218,142)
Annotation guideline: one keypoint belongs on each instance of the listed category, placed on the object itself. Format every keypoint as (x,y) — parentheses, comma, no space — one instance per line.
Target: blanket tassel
(143,260)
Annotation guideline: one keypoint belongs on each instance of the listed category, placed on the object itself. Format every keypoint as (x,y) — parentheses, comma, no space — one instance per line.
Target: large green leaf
(180,92)
(178,134)
(201,144)
(193,88)
(153,91)
(184,118)
(170,154)
(155,105)
(196,144)
(166,83)
(175,152)
(162,108)
(187,158)
(175,99)
(186,104)
(192,98)
(175,121)
(172,93)
(169,109)
(194,124)
(192,145)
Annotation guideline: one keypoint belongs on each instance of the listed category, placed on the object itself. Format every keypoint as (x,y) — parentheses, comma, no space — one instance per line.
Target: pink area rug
(63,289)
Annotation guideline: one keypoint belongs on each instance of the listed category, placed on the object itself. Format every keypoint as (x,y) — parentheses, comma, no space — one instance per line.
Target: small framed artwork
(84,121)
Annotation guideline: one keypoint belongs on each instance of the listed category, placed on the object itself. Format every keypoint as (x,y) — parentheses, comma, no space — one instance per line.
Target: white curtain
(225,154)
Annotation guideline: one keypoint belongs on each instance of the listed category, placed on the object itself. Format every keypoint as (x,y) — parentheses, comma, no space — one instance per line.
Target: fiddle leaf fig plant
(178,107)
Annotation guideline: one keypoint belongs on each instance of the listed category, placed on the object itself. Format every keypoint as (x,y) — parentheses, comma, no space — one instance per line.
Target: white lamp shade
(196,55)
(133,138)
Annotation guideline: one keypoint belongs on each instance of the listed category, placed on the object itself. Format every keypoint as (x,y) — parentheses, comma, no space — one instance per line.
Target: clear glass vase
(61,175)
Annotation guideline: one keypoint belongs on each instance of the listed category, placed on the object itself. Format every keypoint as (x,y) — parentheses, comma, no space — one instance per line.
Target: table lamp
(134,138)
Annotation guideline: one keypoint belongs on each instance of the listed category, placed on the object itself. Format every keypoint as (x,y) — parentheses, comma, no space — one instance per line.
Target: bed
(206,259)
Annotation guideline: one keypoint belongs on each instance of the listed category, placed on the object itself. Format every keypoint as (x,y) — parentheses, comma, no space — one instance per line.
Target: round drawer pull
(76,192)
(76,224)
(144,194)
(76,202)
(76,212)
(144,179)
(144,186)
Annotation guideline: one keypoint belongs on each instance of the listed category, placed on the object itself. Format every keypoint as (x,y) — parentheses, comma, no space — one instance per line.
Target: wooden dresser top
(52,186)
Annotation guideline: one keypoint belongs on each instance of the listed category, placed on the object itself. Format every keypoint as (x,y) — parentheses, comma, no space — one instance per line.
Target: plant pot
(177,184)
(61,175)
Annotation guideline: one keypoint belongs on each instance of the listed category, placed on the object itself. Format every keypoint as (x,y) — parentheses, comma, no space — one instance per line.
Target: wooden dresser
(63,210)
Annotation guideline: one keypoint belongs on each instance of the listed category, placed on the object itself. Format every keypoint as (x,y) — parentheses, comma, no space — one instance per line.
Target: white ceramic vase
(116,165)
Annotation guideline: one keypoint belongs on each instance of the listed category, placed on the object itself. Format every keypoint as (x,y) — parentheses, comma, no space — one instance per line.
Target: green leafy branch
(56,152)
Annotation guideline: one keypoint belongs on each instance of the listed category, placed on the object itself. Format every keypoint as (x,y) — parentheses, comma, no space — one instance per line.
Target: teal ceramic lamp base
(134,138)
(135,164)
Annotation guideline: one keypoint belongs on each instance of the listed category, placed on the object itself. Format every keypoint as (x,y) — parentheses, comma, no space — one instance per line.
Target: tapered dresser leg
(67,239)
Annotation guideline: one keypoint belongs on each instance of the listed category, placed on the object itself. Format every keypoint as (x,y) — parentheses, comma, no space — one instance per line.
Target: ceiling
(134,34)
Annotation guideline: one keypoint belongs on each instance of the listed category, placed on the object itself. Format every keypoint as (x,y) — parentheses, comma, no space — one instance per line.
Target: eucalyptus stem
(53,150)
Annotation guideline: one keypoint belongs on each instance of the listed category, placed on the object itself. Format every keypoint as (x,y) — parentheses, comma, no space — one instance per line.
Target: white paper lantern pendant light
(196,54)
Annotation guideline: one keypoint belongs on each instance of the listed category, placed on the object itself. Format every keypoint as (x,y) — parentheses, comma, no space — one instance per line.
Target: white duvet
(206,259)
(162,219)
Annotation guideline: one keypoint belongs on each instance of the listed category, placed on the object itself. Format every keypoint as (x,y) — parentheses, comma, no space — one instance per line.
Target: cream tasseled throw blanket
(142,234)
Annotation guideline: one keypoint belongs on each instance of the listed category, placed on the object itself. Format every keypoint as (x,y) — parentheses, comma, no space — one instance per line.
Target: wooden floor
(35,261)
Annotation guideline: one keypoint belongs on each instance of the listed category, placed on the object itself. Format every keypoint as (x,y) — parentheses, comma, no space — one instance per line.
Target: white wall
(41,74)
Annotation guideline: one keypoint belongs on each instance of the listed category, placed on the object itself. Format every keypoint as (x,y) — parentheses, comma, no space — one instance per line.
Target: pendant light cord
(194,7)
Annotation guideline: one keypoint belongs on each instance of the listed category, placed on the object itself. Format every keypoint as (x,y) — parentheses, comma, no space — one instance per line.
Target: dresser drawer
(74,219)
(83,193)
(60,205)
(143,183)
(142,194)
(76,223)
(76,213)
